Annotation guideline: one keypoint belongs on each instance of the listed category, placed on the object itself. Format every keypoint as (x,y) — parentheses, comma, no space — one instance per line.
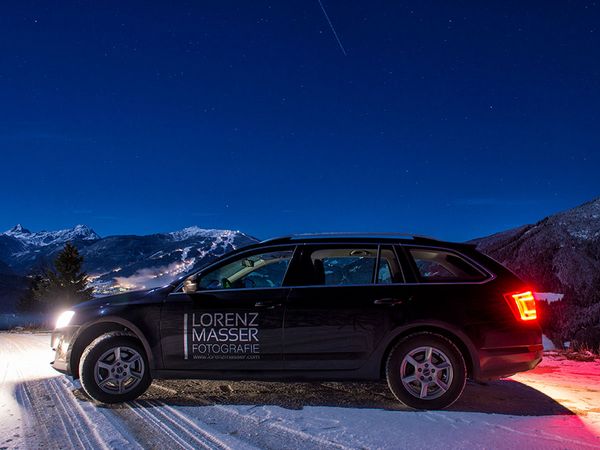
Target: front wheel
(426,371)
(114,368)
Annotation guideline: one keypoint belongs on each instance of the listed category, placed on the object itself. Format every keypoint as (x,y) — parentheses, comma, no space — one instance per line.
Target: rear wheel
(114,368)
(426,371)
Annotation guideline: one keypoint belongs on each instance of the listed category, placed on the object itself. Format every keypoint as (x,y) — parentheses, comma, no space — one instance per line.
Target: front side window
(263,270)
(440,266)
(343,266)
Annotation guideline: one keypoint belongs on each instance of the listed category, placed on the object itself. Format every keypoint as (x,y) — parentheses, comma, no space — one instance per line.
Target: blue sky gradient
(443,118)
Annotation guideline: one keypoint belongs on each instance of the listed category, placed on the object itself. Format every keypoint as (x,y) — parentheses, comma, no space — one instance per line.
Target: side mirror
(189,287)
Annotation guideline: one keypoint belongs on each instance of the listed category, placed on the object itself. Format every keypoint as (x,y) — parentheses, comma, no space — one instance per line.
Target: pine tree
(63,286)
(29,302)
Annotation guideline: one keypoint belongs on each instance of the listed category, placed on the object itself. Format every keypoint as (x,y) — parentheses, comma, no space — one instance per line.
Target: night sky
(444,118)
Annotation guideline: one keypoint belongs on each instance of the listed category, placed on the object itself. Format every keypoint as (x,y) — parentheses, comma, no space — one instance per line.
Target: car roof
(352,237)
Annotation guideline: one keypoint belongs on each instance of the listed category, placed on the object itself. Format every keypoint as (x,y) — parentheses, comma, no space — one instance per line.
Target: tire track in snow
(52,416)
(101,421)
(32,394)
(269,432)
(41,395)
(11,425)
(212,438)
(34,412)
(55,418)
(166,436)
(177,421)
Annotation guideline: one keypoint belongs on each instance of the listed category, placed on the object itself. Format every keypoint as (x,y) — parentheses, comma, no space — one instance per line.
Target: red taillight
(525,303)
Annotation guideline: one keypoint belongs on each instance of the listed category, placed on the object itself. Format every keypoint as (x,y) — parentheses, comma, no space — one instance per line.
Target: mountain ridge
(120,262)
(560,253)
(43,238)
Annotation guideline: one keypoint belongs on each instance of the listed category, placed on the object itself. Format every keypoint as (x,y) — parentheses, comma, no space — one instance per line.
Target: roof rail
(293,237)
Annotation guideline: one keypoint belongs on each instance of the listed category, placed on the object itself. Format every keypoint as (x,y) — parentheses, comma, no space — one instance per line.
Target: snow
(553,406)
(582,234)
(44,238)
(548,296)
(548,344)
(193,232)
(152,277)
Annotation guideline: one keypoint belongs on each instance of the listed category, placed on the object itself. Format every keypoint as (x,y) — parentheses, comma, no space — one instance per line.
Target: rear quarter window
(441,266)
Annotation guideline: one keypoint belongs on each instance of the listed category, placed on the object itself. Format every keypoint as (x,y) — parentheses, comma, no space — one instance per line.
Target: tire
(114,368)
(443,374)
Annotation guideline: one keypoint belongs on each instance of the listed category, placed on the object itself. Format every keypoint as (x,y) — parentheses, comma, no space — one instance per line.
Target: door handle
(387,301)
(266,305)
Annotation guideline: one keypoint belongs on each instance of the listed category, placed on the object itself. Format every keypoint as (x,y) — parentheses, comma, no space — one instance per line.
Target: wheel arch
(458,338)
(90,331)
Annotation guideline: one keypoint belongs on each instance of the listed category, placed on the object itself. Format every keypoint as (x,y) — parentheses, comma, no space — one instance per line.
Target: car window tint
(438,265)
(339,267)
(389,269)
(384,275)
(264,270)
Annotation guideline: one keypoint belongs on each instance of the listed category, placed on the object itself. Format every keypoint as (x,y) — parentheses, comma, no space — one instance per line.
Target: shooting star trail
(332,28)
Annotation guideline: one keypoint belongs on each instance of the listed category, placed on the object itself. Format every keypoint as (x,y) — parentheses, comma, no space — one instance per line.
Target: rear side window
(442,266)
(343,266)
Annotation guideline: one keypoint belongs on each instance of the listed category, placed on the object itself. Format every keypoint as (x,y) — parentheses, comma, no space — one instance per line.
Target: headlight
(64,319)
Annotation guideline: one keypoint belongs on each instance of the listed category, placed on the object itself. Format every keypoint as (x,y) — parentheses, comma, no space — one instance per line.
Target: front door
(229,316)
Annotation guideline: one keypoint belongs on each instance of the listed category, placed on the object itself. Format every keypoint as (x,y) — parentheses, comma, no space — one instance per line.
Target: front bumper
(60,342)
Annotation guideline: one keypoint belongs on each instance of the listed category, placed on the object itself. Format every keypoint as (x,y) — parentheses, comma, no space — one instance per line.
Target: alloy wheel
(426,372)
(119,370)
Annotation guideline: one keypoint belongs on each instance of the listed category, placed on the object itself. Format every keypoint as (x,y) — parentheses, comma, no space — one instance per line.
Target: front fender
(84,334)
(127,324)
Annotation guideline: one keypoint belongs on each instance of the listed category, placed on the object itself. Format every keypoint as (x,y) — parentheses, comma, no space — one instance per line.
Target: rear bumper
(503,362)
(505,348)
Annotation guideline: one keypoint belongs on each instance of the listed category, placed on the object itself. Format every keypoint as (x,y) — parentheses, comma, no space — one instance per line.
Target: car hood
(121,299)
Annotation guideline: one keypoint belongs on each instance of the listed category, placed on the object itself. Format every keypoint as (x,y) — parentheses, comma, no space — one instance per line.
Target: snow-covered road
(555,406)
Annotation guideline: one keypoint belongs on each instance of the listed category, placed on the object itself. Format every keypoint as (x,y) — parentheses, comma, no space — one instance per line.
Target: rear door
(234,318)
(344,302)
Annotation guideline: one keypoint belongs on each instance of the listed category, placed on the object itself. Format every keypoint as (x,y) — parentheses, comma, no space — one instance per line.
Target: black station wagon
(421,313)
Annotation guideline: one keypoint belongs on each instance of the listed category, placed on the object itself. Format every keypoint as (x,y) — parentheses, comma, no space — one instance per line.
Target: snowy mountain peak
(194,232)
(17,229)
(44,238)
(84,230)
